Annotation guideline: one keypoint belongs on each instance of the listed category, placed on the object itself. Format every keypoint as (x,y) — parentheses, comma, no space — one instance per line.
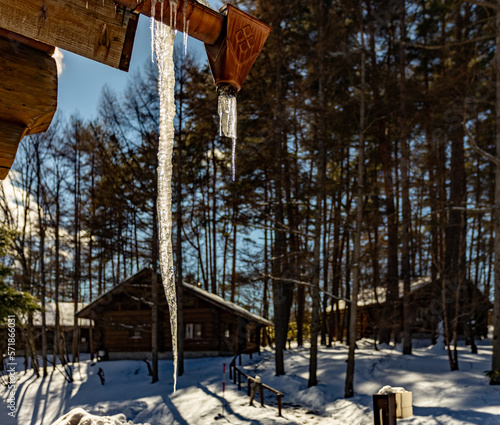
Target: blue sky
(82,80)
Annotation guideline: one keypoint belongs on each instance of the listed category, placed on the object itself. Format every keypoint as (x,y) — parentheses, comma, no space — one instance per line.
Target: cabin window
(136,334)
(227,331)
(192,331)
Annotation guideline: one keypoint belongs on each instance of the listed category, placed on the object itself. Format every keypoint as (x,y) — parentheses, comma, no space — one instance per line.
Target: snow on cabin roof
(367,296)
(66,314)
(144,274)
(227,305)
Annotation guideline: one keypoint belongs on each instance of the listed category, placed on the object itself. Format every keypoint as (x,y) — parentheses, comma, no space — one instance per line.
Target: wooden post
(384,409)
(279,404)
(249,383)
(261,395)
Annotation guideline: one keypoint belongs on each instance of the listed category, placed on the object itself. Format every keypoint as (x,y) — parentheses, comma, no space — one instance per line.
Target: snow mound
(79,416)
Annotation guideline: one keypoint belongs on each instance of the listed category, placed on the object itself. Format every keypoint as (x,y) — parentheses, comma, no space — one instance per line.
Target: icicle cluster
(163,40)
(228,117)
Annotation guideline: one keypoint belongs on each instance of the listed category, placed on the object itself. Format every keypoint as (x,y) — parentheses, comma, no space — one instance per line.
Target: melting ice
(164,37)
(228,118)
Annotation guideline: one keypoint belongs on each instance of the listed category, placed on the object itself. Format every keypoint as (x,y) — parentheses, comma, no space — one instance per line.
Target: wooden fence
(235,374)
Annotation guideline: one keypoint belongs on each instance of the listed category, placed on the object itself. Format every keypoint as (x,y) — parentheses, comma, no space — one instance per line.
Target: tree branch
(495,160)
(301,282)
(486,4)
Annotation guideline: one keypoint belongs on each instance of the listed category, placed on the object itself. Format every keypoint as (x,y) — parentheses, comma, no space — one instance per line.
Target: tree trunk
(385,149)
(321,15)
(281,292)
(214,221)
(41,233)
(495,361)
(233,266)
(179,220)
(349,380)
(77,260)
(154,294)
(405,171)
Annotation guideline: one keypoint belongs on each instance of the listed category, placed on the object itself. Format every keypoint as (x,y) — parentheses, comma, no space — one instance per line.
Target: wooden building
(212,325)
(66,324)
(425,308)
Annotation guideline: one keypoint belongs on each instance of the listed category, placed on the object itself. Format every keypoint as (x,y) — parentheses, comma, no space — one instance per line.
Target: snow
(367,296)
(228,305)
(66,313)
(439,396)
(79,416)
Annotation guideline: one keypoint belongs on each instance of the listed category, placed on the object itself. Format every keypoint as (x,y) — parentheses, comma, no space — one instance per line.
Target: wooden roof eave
(96,29)
(28,92)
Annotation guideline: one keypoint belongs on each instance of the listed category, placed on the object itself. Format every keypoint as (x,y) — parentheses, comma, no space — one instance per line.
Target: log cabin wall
(123,322)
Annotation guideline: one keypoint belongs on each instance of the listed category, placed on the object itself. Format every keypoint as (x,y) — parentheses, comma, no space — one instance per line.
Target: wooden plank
(16,39)
(28,86)
(95,29)
(10,136)
(28,95)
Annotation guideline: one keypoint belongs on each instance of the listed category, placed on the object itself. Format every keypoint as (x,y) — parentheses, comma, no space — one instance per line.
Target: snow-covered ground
(439,396)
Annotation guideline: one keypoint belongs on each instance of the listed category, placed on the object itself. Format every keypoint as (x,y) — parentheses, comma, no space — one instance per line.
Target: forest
(368,153)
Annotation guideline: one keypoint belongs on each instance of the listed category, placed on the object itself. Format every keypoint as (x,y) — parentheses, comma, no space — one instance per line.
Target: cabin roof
(145,274)
(227,305)
(66,314)
(368,296)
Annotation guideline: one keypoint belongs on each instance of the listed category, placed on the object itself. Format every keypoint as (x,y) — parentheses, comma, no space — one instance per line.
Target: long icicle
(164,48)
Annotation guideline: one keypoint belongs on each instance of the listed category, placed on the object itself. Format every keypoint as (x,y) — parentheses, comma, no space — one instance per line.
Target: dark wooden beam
(10,136)
(96,29)
(28,95)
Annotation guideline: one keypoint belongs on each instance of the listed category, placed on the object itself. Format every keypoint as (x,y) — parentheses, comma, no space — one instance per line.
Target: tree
(349,381)
(12,302)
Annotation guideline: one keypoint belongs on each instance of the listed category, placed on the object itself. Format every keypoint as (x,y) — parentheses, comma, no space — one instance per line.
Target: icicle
(185,26)
(233,159)
(173,12)
(153,25)
(228,118)
(186,30)
(87,4)
(164,48)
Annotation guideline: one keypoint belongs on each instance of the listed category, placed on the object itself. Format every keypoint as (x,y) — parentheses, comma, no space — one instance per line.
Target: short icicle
(164,48)
(228,117)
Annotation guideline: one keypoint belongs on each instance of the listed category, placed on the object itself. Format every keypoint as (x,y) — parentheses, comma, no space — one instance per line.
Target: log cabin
(212,326)
(66,324)
(425,308)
